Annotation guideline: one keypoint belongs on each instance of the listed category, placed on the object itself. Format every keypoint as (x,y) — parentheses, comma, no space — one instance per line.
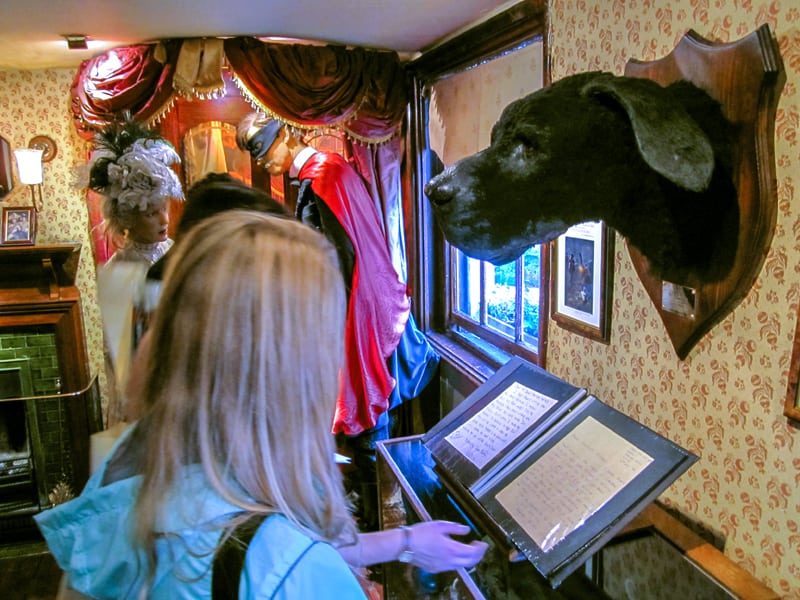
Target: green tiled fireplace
(48,403)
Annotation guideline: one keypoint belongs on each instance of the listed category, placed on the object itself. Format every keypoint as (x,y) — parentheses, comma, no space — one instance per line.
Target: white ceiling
(31,30)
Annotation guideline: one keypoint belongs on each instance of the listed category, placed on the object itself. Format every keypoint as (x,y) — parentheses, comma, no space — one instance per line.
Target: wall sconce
(41,149)
(29,168)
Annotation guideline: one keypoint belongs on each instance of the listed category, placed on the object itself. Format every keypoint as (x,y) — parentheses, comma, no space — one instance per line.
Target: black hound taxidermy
(652,162)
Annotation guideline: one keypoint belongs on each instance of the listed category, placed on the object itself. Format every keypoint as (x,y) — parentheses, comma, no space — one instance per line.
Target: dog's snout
(439,191)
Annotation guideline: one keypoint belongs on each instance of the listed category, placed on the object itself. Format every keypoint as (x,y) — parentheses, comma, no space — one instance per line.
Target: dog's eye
(519,156)
(530,145)
(526,148)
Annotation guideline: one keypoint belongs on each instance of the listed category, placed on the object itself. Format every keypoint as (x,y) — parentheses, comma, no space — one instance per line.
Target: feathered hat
(130,166)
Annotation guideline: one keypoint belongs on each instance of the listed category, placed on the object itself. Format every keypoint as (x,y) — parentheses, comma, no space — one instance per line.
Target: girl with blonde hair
(237,378)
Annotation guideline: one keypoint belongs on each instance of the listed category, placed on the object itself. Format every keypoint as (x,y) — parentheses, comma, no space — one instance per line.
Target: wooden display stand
(410,491)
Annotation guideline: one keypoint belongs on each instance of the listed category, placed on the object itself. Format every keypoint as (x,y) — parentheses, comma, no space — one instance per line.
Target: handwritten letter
(572,481)
(499,423)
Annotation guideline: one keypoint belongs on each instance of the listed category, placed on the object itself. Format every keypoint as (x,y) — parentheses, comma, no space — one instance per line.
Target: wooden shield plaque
(747,78)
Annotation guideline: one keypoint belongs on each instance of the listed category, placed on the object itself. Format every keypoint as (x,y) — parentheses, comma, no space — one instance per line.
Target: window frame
(455,318)
(431,260)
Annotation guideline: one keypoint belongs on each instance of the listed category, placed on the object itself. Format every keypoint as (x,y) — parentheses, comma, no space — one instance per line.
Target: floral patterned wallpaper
(38,103)
(725,400)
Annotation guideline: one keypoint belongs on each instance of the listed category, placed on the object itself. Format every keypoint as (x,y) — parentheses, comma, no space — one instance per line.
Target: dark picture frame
(18,225)
(582,261)
(791,407)
(690,556)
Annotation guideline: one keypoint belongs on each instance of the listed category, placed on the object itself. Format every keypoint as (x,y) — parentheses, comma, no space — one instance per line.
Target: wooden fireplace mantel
(37,287)
(38,292)
(38,273)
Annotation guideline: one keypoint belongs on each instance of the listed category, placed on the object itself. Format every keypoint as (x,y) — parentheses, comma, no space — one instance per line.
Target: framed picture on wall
(791,407)
(18,225)
(582,280)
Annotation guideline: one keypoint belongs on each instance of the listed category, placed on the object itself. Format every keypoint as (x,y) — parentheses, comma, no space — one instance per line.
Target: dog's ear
(669,140)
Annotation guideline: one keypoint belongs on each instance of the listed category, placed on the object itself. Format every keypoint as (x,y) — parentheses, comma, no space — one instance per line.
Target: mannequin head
(270,142)
(148,226)
(131,169)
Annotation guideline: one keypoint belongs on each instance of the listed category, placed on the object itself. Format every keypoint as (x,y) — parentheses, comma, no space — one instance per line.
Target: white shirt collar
(301,159)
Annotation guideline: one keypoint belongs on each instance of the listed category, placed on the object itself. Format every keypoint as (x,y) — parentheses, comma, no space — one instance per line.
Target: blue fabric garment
(90,538)
(413,364)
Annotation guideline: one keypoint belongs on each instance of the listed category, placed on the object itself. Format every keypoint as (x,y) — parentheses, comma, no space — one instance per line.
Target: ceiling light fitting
(76,41)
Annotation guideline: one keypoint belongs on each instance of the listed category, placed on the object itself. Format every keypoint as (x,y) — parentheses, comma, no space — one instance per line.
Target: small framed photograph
(582,282)
(19,225)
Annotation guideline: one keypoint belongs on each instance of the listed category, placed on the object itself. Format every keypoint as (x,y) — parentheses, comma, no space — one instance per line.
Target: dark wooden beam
(519,25)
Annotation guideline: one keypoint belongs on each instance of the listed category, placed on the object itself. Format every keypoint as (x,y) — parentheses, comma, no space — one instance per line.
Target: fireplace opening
(17,485)
(13,432)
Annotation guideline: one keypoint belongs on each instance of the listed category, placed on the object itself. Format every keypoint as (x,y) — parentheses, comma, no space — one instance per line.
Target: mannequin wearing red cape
(378,307)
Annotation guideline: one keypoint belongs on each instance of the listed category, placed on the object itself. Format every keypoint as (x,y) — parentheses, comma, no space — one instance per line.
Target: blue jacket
(91,539)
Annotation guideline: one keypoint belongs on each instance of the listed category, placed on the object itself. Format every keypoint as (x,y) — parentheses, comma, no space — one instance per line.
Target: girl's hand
(434,550)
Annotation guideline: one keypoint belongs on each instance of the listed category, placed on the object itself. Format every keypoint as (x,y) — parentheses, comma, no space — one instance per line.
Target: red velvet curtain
(361,92)
(134,79)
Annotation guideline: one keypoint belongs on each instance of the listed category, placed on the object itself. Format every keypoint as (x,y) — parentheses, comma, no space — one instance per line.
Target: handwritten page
(572,481)
(499,423)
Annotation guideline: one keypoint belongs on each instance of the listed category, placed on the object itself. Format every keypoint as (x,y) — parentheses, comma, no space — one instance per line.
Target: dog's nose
(439,192)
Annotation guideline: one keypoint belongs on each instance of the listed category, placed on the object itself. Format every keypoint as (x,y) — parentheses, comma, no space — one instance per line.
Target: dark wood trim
(471,365)
(513,28)
(420,231)
(545,302)
(429,273)
(791,405)
(699,552)
(37,288)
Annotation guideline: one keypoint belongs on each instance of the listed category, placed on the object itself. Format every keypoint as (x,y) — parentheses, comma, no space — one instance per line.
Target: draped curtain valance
(134,79)
(359,91)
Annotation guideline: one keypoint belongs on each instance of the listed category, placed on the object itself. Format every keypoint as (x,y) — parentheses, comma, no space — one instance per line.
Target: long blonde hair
(242,373)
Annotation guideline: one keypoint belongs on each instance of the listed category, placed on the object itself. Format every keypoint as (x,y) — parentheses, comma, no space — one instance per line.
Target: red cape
(378,307)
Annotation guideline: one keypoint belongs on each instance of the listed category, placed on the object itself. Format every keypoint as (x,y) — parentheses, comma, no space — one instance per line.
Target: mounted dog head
(652,162)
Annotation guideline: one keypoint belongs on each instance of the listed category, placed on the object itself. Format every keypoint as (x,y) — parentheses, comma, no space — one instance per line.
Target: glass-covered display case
(656,556)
